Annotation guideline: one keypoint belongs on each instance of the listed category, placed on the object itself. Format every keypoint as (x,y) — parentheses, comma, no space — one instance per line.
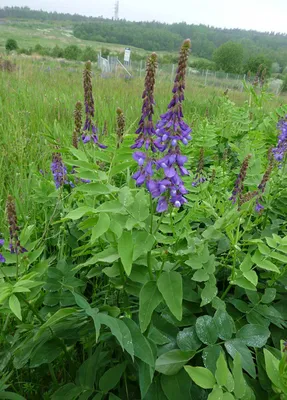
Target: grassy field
(39,98)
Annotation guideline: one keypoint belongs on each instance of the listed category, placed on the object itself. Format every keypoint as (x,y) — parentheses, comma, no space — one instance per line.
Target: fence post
(205,83)
(172,72)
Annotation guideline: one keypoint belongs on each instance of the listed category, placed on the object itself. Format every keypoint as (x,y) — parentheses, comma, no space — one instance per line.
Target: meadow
(140,266)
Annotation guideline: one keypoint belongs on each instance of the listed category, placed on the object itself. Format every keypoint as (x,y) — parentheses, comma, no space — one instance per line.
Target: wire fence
(112,66)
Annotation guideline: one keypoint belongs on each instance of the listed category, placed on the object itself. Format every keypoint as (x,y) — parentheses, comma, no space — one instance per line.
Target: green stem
(226,291)
(151,232)
(52,373)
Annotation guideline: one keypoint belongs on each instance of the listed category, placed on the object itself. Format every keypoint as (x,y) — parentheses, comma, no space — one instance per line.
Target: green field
(114,299)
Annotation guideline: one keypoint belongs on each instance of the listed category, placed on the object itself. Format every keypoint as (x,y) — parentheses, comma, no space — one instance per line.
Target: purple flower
(59,170)
(2,258)
(258,207)
(162,205)
(14,245)
(281,149)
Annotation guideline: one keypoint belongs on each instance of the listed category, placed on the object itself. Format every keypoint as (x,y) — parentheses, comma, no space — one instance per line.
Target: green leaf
(95,188)
(170,286)
(81,301)
(68,392)
(140,208)
(251,276)
(200,276)
(11,396)
(216,394)
(112,206)
(210,356)
(102,227)
(208,293)
(224,324)
(201,376)
(79,212)
(272,368)
(145,377)
(142,347)
(111,377)
(15,306)
(171,362)
(45,353)
(246,264)
(206,329)
(125,196)
(177,386)
(237,346)
(253,335)
(187,339)
(125,249)
(149,299)
(268,296)
(58,316)
(119,330)
(223,375)
(228,396)
(239,382)
(261,262)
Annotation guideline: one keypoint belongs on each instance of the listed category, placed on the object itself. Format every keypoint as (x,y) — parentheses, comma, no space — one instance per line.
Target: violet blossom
(280,151)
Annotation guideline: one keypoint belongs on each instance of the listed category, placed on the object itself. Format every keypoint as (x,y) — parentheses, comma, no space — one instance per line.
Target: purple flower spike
(2,258)
(59,171)
(280,151)
(1,242)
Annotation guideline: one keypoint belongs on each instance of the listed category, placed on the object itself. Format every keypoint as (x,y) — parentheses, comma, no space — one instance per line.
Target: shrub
(11,45)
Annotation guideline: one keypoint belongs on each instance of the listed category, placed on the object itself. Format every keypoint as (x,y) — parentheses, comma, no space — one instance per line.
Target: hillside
(159,36)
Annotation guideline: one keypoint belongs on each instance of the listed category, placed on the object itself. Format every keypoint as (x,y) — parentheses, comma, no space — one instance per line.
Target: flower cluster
(199,178)
(239,183)
(78,123)
(14,245)
(170,131)
(121,123)
(59,171)
(281,149)
(2,258)
(90,130)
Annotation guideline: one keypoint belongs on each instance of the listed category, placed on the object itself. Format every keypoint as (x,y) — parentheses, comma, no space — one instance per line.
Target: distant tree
(72,52)
(11,45)
(57,52)
(229,57)
(89,54)
(253,64)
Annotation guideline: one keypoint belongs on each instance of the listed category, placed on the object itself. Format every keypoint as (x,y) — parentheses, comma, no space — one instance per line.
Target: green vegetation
(111,303)
(11,44)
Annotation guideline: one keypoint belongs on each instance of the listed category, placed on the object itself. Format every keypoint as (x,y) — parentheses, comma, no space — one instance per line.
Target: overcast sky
(262,15)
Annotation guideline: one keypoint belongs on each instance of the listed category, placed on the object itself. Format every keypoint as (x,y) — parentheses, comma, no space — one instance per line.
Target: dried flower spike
(78,123)
(199,178)
(15,245)
(239,183)
(121,123)
(90,130)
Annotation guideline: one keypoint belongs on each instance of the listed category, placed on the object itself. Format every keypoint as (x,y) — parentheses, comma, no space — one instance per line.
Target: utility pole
(117,5)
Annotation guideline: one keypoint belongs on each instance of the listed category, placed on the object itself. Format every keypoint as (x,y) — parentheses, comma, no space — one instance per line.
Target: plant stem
(52,373)
(151,232)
